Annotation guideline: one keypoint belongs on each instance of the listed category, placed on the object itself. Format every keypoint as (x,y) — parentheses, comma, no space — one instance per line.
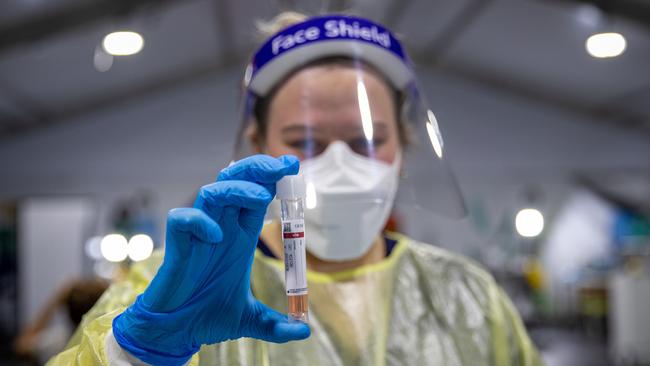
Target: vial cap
(290,186)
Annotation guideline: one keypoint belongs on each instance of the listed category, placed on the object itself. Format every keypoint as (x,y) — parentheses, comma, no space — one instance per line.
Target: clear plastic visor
(358,138)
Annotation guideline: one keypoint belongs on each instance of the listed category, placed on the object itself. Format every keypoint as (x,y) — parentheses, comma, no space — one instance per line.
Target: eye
(298,144)
(364,147)
(308,147)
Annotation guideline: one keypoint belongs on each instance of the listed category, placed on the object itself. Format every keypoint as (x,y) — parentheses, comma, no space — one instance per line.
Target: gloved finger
(212,198)
(193,221)
(251,220)
(230,217)
(189,230)
(262,169)
(272,326)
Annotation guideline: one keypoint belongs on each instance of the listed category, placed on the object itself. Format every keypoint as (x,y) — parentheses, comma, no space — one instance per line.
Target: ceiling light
(93,247)
(140,247)
(114,247)
(603,45)
(123,43)
(529,222)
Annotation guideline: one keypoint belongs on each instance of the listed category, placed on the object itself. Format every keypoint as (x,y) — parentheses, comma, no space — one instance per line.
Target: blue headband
(327,36)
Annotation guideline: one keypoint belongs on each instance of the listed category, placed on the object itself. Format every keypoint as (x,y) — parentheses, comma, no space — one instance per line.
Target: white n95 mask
(349,198)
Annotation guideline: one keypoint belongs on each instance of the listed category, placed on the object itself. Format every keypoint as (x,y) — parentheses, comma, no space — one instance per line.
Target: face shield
(340,93)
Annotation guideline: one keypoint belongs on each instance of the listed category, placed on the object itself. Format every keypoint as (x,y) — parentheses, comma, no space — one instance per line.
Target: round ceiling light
(123,43)
(604,45)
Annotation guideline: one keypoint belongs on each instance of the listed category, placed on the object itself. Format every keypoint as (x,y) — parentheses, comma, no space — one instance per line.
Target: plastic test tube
(291,193)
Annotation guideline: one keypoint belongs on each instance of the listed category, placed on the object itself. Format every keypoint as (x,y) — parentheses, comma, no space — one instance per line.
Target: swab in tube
(291,193)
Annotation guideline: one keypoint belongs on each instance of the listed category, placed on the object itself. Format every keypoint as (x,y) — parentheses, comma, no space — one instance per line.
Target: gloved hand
(201,293)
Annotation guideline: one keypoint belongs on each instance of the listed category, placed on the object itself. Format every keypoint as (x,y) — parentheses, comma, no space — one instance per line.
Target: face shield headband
(327,36)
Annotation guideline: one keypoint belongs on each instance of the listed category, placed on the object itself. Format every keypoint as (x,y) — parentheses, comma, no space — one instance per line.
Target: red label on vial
(294,235)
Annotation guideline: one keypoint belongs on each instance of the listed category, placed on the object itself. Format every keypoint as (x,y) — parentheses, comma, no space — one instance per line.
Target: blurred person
(335,99)
(44,337)
(136,215)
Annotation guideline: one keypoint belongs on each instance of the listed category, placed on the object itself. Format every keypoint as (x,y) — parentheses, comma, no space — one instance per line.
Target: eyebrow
(298,128)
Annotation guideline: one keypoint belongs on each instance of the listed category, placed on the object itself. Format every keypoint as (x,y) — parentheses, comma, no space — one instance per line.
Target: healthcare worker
(335,99)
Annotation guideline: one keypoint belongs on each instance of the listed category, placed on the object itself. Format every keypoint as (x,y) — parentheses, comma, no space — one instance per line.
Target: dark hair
(82,296)
(262,104)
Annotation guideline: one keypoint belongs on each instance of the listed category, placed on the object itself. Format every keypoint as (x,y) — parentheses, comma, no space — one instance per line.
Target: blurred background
(544,106)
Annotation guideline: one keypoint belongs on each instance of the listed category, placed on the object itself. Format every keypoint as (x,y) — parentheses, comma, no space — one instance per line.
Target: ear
(254,137)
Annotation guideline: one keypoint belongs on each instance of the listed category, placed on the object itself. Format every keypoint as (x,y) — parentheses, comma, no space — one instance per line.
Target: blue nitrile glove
(201,293)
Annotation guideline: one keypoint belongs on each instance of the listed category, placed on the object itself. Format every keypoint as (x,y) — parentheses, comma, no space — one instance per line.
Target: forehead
(330,93)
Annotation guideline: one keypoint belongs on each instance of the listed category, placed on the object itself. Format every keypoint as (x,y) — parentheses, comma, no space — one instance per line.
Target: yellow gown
(421,305)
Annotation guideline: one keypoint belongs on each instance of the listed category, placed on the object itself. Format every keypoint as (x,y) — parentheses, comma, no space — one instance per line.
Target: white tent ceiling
(532,48)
